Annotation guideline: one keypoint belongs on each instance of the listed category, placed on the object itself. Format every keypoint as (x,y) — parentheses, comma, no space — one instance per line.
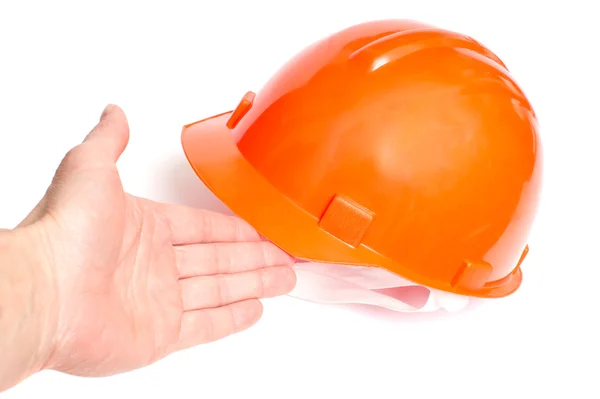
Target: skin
(96,281)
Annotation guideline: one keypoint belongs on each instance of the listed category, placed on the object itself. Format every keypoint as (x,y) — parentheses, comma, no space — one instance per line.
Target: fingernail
(107,110)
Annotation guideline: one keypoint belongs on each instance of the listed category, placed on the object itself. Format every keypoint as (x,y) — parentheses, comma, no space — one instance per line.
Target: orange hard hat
(391,144)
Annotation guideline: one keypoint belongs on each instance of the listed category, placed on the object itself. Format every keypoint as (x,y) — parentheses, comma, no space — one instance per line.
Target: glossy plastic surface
(392,144)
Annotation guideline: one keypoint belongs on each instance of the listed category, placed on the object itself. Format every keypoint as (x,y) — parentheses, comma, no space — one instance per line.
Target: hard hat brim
(210,149)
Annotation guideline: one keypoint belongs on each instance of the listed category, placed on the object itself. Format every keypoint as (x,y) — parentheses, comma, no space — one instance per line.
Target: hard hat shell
(391,144)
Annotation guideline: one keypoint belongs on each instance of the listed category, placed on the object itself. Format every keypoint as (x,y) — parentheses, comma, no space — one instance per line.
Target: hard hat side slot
(241,110)
(472,275)
(346,220)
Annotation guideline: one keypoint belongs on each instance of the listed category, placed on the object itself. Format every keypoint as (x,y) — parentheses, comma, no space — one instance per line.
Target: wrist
(28,306)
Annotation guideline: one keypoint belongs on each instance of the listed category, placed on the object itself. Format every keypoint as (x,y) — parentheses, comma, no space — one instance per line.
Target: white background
(170,63)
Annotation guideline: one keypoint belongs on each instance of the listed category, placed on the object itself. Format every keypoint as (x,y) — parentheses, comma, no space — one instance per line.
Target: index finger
(191,225)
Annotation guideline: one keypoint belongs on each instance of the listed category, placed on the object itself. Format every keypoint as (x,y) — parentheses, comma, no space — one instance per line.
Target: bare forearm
(25,309)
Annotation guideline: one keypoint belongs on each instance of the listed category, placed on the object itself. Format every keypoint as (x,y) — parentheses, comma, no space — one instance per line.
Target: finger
(225,258)
(207,325)
(102,146)
(214,291)
(191,225)
(111,135)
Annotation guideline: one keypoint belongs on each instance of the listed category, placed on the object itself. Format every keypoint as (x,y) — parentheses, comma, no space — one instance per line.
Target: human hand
(135,280)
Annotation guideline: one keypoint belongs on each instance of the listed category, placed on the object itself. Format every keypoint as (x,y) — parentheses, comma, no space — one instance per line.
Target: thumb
(110,136)
(103,145)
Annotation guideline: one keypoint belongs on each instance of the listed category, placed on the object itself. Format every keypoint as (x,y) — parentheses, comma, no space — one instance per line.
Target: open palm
(136,279)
